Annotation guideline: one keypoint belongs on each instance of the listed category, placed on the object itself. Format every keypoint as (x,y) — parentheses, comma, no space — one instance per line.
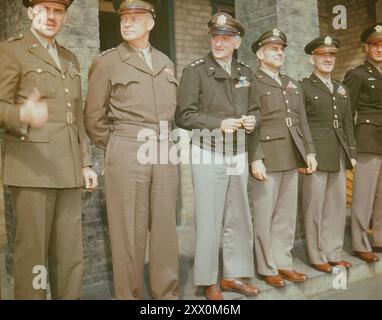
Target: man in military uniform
(285,145)
(44,164)
(216,94)
(330,118)
(133,88)
(365,85)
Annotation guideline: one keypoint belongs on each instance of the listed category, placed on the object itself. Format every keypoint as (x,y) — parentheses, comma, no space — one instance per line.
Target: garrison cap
(372,33)
(137,6)
(322,45)
(271,36)
(222,23)
(29,3)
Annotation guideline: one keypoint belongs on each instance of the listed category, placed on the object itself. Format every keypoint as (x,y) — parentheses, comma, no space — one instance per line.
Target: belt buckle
(336,124)
(69,118)
(288,121)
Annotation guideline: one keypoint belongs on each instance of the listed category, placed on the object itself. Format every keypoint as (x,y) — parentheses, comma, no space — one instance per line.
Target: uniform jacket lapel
(35,48)
(372,70)
(129,56)
(316,82)
(213,68)
(263,77)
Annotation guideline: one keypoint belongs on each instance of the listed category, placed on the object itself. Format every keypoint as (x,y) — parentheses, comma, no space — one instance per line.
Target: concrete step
(319,285)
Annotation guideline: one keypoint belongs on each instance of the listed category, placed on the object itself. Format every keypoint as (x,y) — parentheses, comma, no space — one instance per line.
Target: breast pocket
(43,78)
(75,76)
(125,92)
(270,102)
(296,99)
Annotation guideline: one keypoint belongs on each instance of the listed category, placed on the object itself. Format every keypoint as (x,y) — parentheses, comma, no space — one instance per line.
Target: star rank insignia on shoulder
(197,63)
(19,36)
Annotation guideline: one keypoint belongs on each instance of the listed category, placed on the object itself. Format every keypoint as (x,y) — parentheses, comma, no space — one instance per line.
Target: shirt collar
(378,67)
(271,74)
(139,50)
(43,42)
(324,80)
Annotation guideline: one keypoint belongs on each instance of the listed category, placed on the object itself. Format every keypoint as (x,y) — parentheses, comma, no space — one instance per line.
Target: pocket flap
(269,134)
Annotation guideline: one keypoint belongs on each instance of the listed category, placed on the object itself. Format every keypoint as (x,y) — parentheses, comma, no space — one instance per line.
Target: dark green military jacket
(285,138)
(365,86)
(331,122)
(208,94)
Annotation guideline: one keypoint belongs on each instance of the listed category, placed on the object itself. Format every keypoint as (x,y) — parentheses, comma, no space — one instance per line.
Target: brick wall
(192,42)
(360,14)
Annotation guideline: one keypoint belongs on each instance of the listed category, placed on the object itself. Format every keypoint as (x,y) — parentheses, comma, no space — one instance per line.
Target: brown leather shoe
(213,293)
(369,256)
(323,267)
(274,281)
(292,275)
(343,263)
(239,286)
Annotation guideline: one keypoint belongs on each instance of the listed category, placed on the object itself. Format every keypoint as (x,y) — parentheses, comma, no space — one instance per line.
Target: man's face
(47,18)
(272,55)
(136,26)
(324,62)
(374,51)
(222,47)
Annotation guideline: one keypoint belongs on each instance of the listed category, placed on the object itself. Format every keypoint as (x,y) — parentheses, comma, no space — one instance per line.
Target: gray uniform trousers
(221,211)
(275,212)
(324,210)
(367,201)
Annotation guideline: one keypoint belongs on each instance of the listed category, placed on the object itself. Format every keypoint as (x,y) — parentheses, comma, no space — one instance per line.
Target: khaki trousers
(141,198)
(48,234)
(275,212)
(324,211)
(221,212)
(367,201)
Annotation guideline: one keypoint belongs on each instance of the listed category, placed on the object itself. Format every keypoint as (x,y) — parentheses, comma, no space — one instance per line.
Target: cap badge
(328,41)
(276,32)
(378,28)
(222,20)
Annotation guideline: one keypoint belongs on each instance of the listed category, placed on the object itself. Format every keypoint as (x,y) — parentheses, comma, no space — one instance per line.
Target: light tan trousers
(367,201)
(221,213)
(141,198)
(49,234)
(324,211)
(275,212)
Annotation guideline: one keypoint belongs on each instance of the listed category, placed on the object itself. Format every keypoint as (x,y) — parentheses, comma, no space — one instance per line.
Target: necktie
(277,79)
(53,53)
(147,58)
(329,85)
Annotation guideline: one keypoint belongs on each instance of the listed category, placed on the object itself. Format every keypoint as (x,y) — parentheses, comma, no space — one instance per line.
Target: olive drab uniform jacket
(50,157)
(208,95)
(331,122)
(285,138)
(365,86)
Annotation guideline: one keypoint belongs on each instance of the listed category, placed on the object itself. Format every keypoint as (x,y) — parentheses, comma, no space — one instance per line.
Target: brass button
(334,98)
(39,70)
(288,110)
(268,137)
(284,92)
(372,86)
(316,97)
(367,121)
(69,105)
(22,138)
(63,77)
(268,92)
(335,107)
(67,90)
(335,116)
(286,101)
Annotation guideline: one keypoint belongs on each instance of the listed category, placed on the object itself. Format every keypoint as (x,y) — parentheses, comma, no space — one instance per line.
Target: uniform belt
(69,118)
(131,130)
